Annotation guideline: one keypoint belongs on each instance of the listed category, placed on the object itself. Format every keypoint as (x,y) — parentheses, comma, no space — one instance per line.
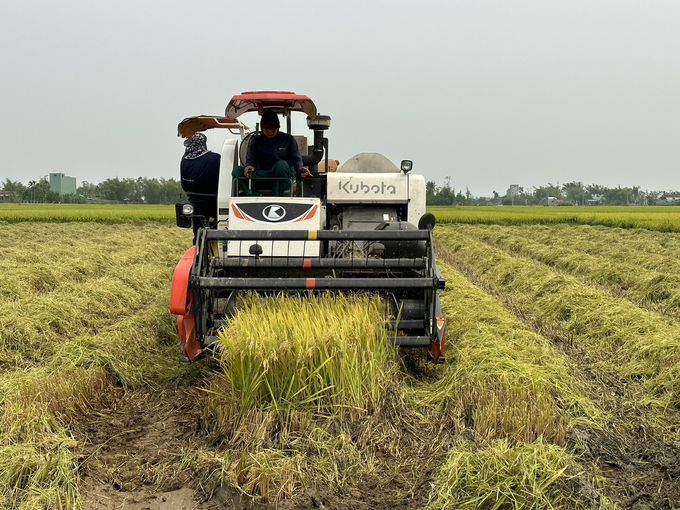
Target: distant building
(62,184)
(5,196)
(669,197)
(595,199)
(555,201)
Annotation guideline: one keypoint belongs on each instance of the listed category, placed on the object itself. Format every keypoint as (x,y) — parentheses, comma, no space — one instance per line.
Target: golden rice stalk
(34,477)
(527,476)
(286,357)
(502,380)
(42,397)
(77,281)
(635,344)
(81,305)
(321,457)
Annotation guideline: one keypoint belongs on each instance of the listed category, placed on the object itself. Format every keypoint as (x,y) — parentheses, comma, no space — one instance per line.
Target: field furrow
(634,344)
(657,289)
(520,399)
(660,219)
(646,248)
(84,311)
(626,356)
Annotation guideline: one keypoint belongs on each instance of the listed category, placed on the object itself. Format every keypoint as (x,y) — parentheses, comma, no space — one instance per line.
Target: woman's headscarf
(195,146)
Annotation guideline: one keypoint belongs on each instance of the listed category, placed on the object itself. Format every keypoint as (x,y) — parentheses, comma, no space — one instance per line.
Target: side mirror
(427,221)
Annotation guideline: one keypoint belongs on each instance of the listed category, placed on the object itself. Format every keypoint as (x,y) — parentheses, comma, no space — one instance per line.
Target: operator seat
(265,188)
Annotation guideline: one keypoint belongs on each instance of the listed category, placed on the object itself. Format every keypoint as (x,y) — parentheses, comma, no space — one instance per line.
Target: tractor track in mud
(641,469)
(128,451)
(131,456)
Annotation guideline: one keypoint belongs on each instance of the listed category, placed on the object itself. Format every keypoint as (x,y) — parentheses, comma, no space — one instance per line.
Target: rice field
(561,387)
(107,214)
(661,218)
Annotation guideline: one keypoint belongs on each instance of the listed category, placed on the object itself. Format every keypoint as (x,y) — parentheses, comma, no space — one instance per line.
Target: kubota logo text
(274,212)
(365,189)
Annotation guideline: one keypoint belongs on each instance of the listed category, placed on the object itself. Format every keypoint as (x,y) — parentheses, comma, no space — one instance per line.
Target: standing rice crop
(287,359)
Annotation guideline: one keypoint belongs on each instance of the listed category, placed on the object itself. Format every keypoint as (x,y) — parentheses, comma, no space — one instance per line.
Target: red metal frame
(180,304)
(437,347)
(179,298)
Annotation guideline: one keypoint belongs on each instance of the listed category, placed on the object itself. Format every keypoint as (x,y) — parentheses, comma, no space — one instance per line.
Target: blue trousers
(280,185)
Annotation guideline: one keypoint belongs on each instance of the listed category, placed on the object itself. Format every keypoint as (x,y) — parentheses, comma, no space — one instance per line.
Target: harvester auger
(363,228)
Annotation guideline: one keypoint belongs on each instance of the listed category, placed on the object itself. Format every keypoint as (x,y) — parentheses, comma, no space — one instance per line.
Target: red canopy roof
(279,101)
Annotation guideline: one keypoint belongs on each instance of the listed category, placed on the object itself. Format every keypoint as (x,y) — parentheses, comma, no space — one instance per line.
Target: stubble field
(561,388)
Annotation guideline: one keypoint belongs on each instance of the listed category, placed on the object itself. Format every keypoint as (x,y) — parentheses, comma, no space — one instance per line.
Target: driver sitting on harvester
(274,155)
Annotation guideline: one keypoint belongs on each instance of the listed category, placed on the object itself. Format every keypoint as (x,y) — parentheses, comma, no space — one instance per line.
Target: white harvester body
(363,227)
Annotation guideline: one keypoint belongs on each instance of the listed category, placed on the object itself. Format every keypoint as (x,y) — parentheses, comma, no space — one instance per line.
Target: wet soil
(130,451)
(131,458)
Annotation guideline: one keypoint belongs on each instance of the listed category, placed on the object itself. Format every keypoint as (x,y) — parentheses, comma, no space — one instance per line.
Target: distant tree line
(571,193)
(141,190)
(446,195)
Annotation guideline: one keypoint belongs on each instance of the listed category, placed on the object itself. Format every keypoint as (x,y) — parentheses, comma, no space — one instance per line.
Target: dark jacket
(263,152)
(200,175)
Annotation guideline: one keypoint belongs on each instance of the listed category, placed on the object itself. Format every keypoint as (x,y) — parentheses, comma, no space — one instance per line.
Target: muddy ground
(132,451)
(124,448)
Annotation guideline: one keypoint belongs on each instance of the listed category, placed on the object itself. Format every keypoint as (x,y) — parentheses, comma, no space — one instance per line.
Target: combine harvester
(361,228)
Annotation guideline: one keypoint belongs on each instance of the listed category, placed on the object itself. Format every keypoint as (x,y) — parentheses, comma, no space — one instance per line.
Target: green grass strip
(90,213)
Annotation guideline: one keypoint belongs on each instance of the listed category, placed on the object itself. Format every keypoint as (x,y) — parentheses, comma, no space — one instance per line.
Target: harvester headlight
(188,209)
(406,165)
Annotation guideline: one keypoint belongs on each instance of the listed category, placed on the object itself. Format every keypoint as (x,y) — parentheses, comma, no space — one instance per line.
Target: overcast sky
(488,93)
